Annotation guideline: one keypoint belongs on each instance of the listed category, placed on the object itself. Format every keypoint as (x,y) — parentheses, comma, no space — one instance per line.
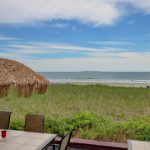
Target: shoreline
(117,83)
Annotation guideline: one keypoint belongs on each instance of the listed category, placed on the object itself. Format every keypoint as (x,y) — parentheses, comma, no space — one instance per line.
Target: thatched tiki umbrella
(23,78)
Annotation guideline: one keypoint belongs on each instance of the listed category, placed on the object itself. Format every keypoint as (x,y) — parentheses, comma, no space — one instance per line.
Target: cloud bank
(135,62)
(42,56)
(95,12)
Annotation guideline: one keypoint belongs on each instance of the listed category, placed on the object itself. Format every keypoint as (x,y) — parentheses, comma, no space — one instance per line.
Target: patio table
(23,140)
(138,145)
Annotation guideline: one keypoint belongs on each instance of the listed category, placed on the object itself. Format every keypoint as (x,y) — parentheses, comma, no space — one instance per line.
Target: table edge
(129,142)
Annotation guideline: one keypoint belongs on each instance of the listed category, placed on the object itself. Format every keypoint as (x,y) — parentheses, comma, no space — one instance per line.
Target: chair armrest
(56,145)
(52,145)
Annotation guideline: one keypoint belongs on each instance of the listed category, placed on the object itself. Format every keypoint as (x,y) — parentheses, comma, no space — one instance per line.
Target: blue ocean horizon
(96,76)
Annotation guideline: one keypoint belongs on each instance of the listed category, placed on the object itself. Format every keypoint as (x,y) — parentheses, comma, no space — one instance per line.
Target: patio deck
(82,144)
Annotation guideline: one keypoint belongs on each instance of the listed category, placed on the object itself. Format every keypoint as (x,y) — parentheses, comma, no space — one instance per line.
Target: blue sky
(76,35)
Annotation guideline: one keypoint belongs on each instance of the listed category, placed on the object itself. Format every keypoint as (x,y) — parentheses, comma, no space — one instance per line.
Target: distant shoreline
(120,83)
(125,79)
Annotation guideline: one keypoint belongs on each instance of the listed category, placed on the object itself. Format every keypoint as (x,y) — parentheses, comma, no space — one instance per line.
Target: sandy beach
(125,83)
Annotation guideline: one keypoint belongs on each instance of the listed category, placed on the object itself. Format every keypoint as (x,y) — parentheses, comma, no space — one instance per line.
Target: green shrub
(92,126)
(17,124)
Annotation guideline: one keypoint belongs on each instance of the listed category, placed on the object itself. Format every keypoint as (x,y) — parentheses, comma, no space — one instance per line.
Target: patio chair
(34,123)
(63,143)
(4,119)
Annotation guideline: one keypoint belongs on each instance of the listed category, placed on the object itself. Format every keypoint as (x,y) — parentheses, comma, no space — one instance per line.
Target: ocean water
(95,77)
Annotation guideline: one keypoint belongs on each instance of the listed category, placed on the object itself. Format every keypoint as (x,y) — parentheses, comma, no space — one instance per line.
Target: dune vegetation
(96,111)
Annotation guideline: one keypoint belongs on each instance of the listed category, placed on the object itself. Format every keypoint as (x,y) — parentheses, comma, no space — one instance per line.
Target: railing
(94,145)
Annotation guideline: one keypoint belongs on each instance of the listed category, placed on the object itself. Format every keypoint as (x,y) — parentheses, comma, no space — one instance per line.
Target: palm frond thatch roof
(22,77)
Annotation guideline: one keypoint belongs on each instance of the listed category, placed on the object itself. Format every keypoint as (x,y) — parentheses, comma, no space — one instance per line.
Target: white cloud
(119,55)
(131,22)
(36,48)
(112,43)
(104,59)
(6,38)
(143,5)
(60,25)
(10,55)
(96,12)
(70,47)
(135,62)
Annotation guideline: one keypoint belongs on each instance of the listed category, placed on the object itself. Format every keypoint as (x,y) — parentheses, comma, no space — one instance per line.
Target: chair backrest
(65,140)
(34,123)
(4,119)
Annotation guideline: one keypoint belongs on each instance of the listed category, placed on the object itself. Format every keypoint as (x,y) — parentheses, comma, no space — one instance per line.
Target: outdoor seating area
(33,137)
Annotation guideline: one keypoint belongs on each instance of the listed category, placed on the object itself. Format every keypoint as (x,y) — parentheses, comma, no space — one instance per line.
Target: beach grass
(96,111)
